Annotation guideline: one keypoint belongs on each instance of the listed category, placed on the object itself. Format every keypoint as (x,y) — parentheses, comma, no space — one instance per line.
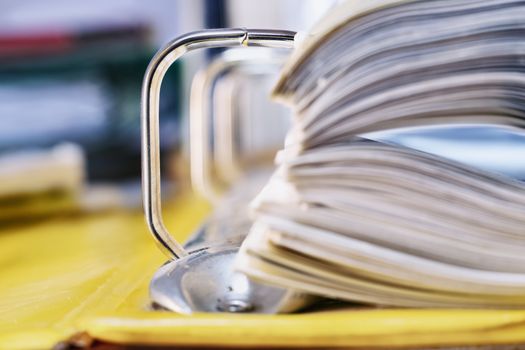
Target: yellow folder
(89,275)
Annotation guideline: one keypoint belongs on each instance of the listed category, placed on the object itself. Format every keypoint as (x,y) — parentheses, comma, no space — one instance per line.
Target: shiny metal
(215,166)
(155,73)
(203,280)
(206,282)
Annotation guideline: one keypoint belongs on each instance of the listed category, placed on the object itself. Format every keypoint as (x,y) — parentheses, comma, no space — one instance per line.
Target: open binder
(103,294)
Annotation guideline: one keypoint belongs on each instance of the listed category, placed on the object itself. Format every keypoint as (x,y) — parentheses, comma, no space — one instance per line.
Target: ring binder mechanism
(228,165)
(220,133)
(376,223)
(201,279)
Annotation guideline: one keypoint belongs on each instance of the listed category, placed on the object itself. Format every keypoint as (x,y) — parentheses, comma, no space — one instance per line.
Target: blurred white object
(53,181)
(61,168)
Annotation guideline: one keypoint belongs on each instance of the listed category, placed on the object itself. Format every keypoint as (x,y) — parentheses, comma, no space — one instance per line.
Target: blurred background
(70,80)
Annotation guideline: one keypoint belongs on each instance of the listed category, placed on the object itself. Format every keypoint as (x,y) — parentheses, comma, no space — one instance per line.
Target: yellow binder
(89,275)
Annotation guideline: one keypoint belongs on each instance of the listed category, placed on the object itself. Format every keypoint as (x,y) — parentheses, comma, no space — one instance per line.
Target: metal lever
(152,83)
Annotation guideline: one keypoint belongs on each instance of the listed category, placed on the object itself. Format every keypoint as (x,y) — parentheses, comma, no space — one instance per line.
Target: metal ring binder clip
(202,280)
(230,133)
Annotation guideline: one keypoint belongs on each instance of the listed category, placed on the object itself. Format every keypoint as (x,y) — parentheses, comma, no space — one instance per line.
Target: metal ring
(151,86)
(206,182)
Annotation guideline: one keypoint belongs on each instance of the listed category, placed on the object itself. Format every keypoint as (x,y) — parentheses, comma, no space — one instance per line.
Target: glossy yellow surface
(57,272)
(68,275)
